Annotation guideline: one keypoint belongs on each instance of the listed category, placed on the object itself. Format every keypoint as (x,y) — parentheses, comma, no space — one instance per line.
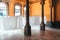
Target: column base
(50,24)
(27,30)
(42,26)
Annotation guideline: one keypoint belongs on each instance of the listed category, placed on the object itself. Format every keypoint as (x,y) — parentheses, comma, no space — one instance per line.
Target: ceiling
(31,1)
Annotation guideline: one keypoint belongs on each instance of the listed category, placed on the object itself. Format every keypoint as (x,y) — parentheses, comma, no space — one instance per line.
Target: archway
(3,9)
(17,10)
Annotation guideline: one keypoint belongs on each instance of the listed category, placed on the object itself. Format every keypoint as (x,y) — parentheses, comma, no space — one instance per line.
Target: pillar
(54,2)
(50,2)
(42,25)
(27,29)
(11,8)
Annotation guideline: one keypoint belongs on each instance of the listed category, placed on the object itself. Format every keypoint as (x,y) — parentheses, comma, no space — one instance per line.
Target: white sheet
(18,22)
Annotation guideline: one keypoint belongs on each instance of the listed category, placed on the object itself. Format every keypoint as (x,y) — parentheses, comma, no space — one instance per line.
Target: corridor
(29,19)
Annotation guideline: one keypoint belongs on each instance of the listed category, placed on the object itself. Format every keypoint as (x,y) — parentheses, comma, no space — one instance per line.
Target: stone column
(27,29)
(42,26)
(50,2)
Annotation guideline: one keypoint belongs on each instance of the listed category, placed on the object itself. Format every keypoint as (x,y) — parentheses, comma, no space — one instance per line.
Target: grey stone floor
(37,34)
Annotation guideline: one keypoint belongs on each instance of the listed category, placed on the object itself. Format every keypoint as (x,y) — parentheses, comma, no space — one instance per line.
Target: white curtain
(18,22)
(10,22)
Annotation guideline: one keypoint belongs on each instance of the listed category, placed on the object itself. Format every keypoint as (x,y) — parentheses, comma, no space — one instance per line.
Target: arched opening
(17,10)
(3,9)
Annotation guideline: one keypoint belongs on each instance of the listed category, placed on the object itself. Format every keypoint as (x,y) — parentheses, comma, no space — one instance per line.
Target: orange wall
(12,4)
(11,8)
(47,10)
(53,14)
(58,12)
(36,10)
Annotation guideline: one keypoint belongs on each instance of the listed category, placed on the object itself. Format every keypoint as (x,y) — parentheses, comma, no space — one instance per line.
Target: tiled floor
(49,34)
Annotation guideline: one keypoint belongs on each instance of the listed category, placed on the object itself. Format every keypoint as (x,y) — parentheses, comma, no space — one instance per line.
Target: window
(3,9)
(17,10)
